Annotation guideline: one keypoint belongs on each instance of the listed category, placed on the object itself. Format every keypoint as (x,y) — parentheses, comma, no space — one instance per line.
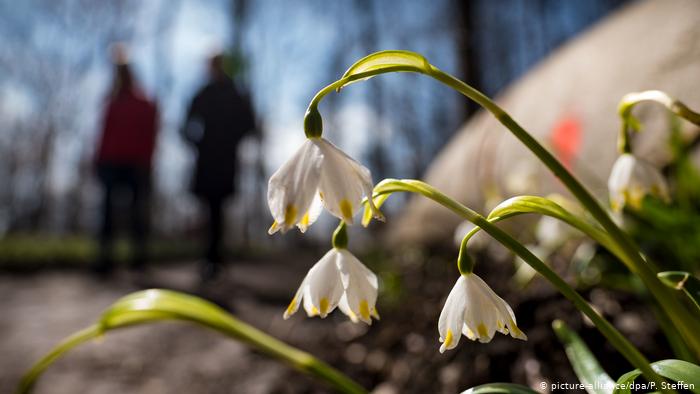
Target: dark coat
(218,118)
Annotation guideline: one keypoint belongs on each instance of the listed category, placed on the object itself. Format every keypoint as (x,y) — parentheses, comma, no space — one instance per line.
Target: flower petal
(345,308)
(452,316)
(344,182)
(294,304)
(292,188)
(324,285)
(311,215)
(360,287)
(487,312)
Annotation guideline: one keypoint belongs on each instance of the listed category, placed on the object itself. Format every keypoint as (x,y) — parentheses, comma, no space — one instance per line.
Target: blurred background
(548,61)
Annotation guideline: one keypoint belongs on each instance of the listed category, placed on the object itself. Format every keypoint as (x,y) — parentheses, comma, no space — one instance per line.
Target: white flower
(478,241)
(473,309)
(551,233)
(631,179)
(339,279)
(320,169)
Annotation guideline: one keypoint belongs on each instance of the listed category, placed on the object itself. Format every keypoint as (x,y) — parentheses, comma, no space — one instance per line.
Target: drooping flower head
(474,310)
(632,179)
(339,279)
(317,169)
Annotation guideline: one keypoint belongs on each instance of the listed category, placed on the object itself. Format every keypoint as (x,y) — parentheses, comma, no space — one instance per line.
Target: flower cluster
(320,175)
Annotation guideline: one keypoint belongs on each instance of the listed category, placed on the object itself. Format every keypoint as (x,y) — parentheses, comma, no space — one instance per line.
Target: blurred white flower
(522,179)
(474,310)
(317,168)
(523,271)
(477,242)
(551,233)
(631,179)
(338,279)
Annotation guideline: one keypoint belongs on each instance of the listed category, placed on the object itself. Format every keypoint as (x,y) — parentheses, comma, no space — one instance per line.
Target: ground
(395,355)
(40,309)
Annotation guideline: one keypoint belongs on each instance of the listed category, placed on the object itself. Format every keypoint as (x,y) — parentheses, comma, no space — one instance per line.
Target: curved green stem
(629,121)
(608,330)
(340,236)
(465,263)
(688,324)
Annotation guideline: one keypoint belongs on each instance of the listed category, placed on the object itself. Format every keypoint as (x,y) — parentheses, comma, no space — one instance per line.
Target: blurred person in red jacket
(123,164)
(218,118)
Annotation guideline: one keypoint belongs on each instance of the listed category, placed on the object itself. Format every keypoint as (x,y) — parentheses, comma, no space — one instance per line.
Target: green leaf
(495,388)
(383,62)
(683,281)
(155,305)
(547,206)
(586,366)
(679,371)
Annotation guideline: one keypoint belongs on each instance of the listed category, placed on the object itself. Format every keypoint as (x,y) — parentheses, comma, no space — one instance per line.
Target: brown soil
(398,354)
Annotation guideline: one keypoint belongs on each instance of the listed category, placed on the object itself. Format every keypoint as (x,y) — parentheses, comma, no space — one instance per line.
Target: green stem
(465,263)
(340,236)
(608,330)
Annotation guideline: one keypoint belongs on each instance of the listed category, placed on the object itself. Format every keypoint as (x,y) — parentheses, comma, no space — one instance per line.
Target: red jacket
(129,131)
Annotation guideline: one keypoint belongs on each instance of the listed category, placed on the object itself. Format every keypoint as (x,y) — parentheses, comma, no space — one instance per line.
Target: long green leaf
(500,388)
(385,61)
(547,206)
(687,376)
(683,281)
(155,305)
(586,366)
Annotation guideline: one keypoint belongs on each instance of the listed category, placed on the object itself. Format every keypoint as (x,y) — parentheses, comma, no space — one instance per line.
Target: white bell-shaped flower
(321,289)
(360,286)
(320,169)
(339,279)
(291,190)
(473,309)
(631,179)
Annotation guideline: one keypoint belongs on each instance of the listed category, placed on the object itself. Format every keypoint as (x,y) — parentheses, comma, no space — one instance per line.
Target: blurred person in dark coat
(123,163)
(218,118)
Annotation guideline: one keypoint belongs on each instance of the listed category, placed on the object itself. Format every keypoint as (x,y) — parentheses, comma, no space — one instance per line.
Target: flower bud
(313,123)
